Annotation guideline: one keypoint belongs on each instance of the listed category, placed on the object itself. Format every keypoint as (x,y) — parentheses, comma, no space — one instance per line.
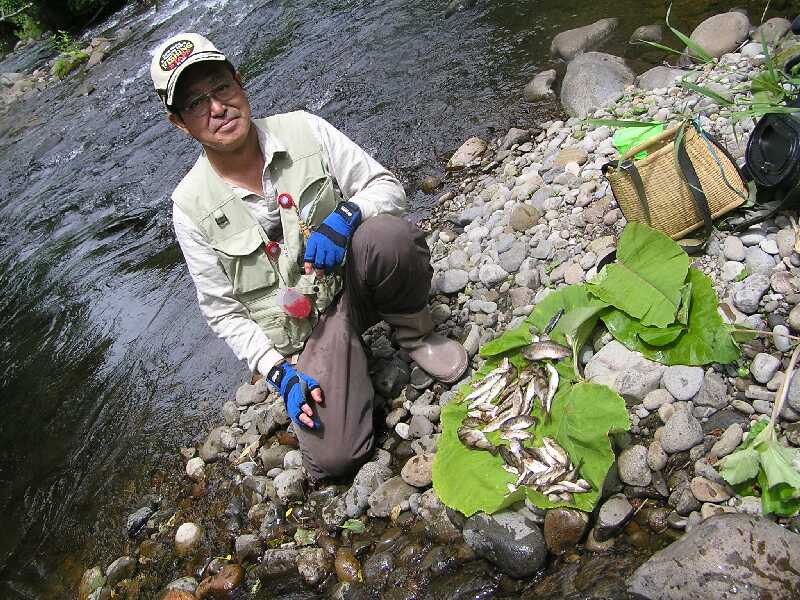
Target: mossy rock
(68,62)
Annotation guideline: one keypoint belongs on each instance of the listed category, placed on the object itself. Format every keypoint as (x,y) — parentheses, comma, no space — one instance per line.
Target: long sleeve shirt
(360,178)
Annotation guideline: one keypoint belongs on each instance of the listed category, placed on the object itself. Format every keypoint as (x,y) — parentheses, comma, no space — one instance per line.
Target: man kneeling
(290,233)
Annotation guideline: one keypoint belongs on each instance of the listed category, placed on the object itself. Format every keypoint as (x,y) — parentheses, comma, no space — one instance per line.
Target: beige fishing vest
(301,178)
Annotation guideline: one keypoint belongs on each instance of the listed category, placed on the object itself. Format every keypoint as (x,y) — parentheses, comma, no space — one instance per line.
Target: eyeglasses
(200,105)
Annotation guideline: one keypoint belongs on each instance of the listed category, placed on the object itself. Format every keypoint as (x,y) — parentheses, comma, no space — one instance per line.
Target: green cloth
(628,137)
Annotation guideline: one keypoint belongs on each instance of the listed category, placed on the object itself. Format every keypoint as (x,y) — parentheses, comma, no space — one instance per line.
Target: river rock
(92,580)
(491,274)
(758,261)
(721,33)
(772,30)
(313,565)
(183,584)
(248,394)
(540,87)
(212,447)
(713,392)
(187,537)
(418,470)
(523,217)
(706,490)
(451,281)
(195,468)
(273,456)
(733,248)
(137,520)
(764,366)
(514,137)
(568,44)
(659,77)
(724,553)
(122,568)
(389,494)
(681,432)
(750,291)
(682,382)
(469,152)
(247,547)
(626,372)
(647,33)
(222,584)
(594,80)
(509,539)
(656,457)
(289,485)
(632,466)
(657,398)
(612,517)
(564,529)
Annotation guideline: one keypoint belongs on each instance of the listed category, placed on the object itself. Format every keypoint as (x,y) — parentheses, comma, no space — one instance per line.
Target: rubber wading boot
(442,358)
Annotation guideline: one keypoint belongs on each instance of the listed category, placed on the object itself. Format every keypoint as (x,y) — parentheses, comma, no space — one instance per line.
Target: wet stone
(312,565)
(389,494)
(612,517)
(92,580)
(187,537)
(508,539)
(418,470)
(122,568)
(289,486)
(709,491)
(564,529)
(137,520)
(420,380)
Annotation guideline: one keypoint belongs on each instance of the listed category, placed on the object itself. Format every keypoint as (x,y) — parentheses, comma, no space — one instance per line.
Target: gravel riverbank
(527,213)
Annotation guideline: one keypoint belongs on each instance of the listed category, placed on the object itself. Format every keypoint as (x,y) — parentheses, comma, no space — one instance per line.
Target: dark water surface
(106,367)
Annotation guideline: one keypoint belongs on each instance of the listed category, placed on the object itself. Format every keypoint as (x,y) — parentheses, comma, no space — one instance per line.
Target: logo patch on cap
(175,54)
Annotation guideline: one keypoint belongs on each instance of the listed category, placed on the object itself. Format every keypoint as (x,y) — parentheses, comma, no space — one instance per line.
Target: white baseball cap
(173,56)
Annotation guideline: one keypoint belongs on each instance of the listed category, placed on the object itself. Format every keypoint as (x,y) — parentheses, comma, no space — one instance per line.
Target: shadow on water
(105,364)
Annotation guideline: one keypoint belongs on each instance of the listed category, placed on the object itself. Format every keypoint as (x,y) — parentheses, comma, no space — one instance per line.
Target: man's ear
(238,77)
(176,120)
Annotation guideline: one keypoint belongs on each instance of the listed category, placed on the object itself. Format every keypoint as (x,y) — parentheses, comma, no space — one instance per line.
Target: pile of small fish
(500,404)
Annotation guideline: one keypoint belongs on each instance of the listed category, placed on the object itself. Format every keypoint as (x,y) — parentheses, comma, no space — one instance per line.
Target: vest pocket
(319,195)
(246,264)
(286,333)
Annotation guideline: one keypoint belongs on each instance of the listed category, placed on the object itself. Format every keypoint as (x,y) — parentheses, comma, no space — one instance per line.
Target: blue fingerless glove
(327,246)
(294,387)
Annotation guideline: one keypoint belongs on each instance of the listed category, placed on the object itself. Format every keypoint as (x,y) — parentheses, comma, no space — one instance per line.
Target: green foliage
(581,419)
(762,464)
(68,62)
(354,525)
(704,340)
(646,280)
(63,41)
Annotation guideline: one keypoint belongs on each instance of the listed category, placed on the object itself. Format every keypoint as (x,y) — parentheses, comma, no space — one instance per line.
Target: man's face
(212,107)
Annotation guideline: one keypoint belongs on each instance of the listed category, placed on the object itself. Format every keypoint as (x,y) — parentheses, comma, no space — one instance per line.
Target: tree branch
(6,17)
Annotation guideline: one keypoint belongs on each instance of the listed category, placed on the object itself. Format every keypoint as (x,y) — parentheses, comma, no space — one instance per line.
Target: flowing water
(106,367)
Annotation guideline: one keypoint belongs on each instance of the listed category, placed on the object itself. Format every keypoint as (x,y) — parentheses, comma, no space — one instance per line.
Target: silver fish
(556,451)
(516,434)
(498,421)
(552,387)
(473,438)
(518,422)
(545,349)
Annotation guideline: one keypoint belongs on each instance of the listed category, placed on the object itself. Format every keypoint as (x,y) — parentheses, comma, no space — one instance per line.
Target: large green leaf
(706,339)
(581,312)
(581,417)
(646,280)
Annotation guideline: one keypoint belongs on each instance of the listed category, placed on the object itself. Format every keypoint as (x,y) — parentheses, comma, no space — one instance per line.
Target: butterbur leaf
(686,302)
(354,525)
(645,281)
(304,537)
(660,336)
(706,339)
(740,466)
(778,500)
(581,312)
(510,340)
(777,462)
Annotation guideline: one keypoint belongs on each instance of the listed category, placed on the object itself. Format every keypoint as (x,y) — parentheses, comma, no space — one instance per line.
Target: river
(106,367)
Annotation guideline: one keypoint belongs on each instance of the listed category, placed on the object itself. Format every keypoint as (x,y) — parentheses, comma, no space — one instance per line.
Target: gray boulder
(772,30)
(726,556)
(540,87)
(659,77)
(568,44)
(647,33)
(722,33)
(510,540)
(594,80)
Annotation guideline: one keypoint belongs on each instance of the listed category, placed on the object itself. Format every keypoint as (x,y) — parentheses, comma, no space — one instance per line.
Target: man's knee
(338,460)
(388,234)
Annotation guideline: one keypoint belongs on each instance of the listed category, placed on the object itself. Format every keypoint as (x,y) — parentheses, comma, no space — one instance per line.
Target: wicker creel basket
(662,197)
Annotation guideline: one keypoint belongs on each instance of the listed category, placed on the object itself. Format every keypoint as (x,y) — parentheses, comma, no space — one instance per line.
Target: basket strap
(630,168)
(693,246)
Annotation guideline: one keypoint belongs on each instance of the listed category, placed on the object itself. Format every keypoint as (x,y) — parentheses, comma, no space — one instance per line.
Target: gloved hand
(296,389)
(327,246)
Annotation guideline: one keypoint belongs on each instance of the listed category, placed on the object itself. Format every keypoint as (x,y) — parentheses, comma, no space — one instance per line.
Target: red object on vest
(273,249)
(294,303)
(285,200)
